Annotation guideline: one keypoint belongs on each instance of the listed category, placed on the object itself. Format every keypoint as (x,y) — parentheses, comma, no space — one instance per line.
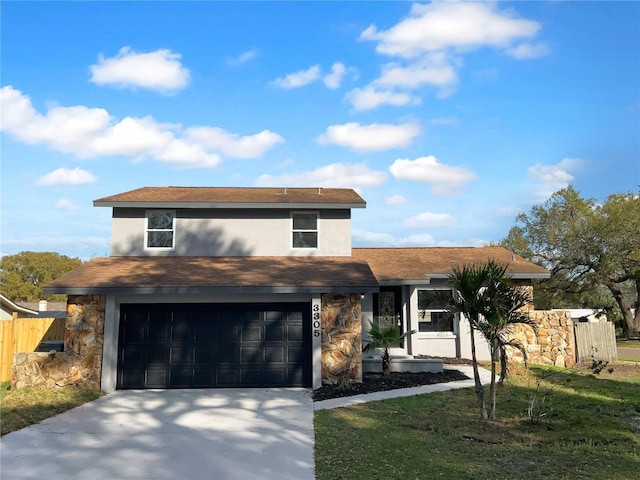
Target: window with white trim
(432,314)
(304,230)
(160,229)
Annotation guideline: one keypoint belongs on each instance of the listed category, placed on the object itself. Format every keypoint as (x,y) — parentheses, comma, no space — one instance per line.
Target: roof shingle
(390,264)
(179,274)
(235,196)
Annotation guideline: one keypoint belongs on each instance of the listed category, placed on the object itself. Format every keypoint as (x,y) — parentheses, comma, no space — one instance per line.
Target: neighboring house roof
(11,307)
(219,274)
(214,197)
(419,265)
(51,306)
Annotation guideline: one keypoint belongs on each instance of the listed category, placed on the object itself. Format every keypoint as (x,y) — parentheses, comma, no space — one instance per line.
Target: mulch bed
(376,382)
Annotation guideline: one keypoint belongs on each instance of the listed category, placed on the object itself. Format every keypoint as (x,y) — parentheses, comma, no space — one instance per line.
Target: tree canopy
(23,275)
(592,249)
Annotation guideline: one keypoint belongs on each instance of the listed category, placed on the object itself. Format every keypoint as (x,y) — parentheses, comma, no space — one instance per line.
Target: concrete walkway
(485,377)
(239,434)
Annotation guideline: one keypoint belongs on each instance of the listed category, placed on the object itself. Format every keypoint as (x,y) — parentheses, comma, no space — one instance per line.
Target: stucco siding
(227,232)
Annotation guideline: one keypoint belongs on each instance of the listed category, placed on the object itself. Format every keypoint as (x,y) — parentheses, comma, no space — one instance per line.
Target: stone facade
(554,343)
(341,338)
(81,362)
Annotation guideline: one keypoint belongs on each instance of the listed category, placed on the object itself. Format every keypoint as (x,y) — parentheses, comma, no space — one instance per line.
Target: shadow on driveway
(171,434)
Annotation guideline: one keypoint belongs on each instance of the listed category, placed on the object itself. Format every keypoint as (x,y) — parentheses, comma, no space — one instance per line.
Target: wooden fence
(596,341)
(24,335)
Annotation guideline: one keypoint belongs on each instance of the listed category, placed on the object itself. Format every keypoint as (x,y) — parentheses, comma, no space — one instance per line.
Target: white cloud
(64,176)
(233,145)
(335,175)
(553,177)
(529,50)
(67,205)
(433,69)
(334,79)
(370,138)
(395,200)
(362,237)
(92,132)
(298,79)
(451,25)
(444,180)
(160,70)
(370,97)
(429,220)
(244,57)
(430,43)
(365,238)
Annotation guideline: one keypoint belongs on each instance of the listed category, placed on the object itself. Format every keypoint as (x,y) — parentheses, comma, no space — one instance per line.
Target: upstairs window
(304,230)
(160,229)
(432,315)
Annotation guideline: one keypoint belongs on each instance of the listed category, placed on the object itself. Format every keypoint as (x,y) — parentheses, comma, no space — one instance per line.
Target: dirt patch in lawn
(376,382)
(614,371)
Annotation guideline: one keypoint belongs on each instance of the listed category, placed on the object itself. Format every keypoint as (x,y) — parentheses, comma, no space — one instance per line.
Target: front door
(387,310)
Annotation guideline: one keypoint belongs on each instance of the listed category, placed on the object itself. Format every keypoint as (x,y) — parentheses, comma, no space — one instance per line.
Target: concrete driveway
(170,434)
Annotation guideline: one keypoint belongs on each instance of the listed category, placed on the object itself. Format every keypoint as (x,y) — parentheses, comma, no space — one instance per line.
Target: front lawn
(582,427)
(21,408)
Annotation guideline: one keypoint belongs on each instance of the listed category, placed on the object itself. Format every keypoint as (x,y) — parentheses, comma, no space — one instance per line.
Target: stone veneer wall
(553,345)
(81,362)
(341,338)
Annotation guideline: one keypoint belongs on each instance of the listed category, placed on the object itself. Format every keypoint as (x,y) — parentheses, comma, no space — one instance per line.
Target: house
(227,287)
(9,309)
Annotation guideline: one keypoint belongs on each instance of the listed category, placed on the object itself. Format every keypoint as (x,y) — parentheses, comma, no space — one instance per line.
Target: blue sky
(448,118)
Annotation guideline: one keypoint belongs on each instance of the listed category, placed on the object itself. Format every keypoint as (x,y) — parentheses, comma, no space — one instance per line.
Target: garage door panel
(134,354)
(274,354)
(251,354)
(204,354)
(294,333)
(263,376)
(157,354)
(251,333)
(180,355)
(214,345)
(156,378)
(228,377)
(180,377)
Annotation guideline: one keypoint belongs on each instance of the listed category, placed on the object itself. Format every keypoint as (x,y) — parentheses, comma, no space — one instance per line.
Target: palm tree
(484,294)
(468,283)
(505,304)
(385,338)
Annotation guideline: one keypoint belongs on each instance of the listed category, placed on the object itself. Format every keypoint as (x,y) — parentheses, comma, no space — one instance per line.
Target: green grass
(24,407)
(628,343)
(590,430)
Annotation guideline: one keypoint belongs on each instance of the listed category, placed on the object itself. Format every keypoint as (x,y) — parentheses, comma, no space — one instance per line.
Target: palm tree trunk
(476,376)
(492,386)
(386,363)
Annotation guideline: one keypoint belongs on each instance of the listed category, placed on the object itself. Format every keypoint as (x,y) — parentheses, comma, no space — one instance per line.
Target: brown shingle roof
(399,264)
(345,197)
(189,274)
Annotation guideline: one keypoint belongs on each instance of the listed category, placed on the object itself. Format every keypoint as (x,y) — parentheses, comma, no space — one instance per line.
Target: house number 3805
(315,316)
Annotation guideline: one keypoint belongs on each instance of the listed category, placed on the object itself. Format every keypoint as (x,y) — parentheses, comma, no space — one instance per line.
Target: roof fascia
(210,290)
(515,276)
(258,205)
(391,283)
(14,306)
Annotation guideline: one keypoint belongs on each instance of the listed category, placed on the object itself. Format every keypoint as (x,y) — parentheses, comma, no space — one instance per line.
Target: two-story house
(226,287)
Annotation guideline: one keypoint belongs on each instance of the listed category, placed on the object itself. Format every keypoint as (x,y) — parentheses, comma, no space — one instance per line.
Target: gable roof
(419,265)
(222,197)
(220,274)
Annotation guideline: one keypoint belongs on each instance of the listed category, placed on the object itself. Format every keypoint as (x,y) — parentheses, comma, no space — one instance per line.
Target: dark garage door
(214,345)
